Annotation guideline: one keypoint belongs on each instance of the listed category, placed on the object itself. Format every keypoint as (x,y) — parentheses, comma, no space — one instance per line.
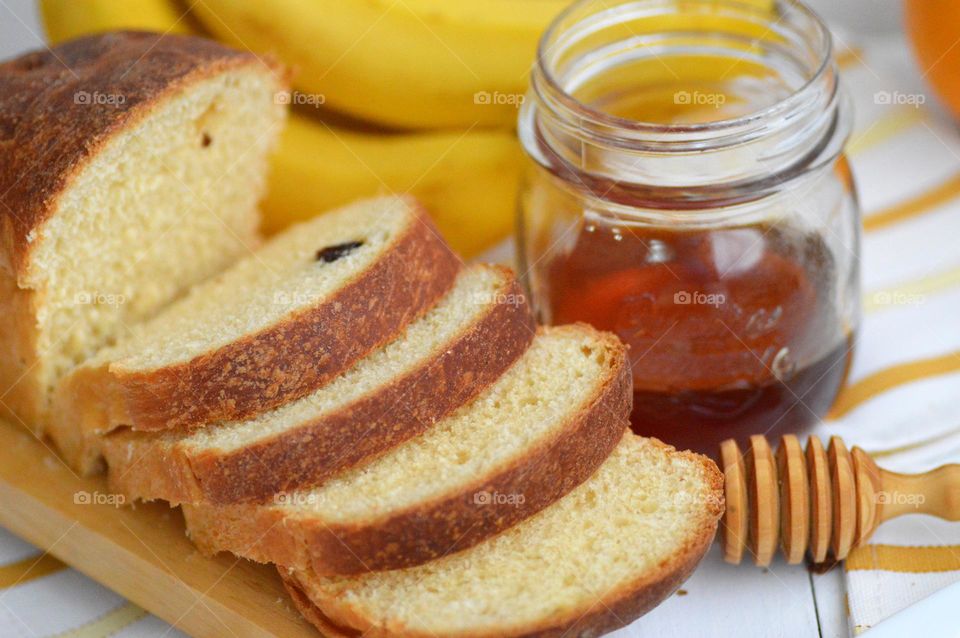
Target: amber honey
(726,328)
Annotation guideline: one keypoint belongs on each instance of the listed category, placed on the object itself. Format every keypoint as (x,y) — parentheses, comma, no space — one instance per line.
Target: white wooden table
(725,600)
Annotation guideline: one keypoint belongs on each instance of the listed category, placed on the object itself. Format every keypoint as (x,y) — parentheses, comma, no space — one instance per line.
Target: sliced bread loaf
(273,327)
(130,169)
(542,429)
(603,555)
(442,360)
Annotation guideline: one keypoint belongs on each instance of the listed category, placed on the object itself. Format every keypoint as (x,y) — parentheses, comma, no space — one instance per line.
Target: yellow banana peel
(68,19)
(419,64)
(422,65)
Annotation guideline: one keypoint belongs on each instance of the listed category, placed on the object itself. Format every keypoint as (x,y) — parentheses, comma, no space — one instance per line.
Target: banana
(416,64)
(421,64)
(468,181)
(68,19)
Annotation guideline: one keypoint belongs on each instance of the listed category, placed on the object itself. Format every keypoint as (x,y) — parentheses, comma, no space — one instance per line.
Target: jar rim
(602,118)
(803,129)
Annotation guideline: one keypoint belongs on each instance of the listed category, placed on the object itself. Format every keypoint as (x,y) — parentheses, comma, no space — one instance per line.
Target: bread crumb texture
(154,212)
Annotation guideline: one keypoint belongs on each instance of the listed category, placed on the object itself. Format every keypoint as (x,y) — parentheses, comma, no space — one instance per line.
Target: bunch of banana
(420,64)
(466,177)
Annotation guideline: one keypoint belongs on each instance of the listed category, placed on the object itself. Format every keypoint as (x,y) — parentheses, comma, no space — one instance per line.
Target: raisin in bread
(273,327)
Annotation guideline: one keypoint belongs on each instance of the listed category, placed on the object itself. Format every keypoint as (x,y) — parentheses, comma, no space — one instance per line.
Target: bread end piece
(108,145)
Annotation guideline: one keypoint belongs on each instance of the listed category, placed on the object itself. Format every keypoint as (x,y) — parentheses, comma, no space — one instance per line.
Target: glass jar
(688,191)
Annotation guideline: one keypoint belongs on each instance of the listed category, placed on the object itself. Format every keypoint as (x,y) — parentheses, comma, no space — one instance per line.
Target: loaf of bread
(130,168)
(346,400)
(542,429)
(440,361)
(600,557)
(273,327)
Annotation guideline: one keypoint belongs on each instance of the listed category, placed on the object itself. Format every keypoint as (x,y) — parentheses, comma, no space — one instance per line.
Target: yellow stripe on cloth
(916,444)
(108,624)
(917,205)
(856,394)
(888,126)
(23,571)
(912,560)
(911,292)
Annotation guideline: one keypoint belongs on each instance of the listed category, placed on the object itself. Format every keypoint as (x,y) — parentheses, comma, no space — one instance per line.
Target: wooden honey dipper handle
(819,501)
(939,489)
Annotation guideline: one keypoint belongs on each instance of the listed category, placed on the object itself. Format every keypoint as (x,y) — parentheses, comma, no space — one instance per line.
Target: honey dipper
(819,500)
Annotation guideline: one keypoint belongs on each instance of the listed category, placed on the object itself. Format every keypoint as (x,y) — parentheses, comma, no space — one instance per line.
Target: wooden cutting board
(140,552)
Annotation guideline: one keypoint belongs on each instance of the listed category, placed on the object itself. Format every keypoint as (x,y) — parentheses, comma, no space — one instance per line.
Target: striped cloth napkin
(900,403)
(40,596)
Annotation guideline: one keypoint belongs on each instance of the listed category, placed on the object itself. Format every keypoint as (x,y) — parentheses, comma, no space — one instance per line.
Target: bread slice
(275,326)
(441,361)
(602,556)
(130,169)
(542,429)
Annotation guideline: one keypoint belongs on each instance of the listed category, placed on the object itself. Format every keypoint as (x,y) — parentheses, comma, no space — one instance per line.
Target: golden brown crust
(452,522)
(46,120)
(311,612)
(146,467)
(280,363)
(461,520)
(338,619)
(405,408)
(22,393)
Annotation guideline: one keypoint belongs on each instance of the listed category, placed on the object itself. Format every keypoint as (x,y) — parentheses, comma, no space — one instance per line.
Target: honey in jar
(724,328)
(688,192)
